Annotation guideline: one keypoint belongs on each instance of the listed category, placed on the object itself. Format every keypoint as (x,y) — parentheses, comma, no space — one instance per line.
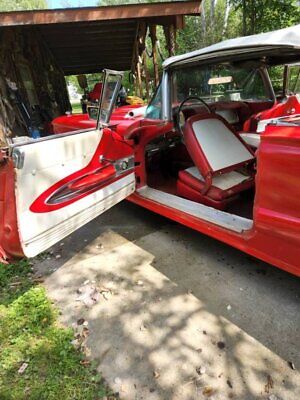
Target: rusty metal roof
(85,40)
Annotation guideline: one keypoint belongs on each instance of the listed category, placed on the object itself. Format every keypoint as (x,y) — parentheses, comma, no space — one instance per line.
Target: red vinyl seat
(221,159)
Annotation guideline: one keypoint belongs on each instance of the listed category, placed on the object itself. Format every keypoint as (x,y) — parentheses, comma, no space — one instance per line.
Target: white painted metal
(136,112)
(283,38)
(204,213)
(220,146)
(252,139)
(224,181)
(229,115)
(46,163)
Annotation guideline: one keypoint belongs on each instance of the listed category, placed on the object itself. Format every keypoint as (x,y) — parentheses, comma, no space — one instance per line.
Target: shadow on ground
(188,317)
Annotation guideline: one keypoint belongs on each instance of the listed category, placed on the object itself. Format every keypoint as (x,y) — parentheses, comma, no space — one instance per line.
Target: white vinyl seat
(221,160)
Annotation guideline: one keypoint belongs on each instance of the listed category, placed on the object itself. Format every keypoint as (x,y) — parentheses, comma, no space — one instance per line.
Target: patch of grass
(29,333)
(14,280)
(76,108)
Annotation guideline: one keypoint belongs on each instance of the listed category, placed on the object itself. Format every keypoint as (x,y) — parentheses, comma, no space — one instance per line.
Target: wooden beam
(129,11)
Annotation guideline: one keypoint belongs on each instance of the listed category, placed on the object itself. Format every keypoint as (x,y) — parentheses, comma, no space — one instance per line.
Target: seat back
(214,146)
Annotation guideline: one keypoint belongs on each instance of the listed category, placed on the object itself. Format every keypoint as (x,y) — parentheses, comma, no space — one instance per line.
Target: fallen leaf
(229,383)
(200,370)
(103,289)
(85,333)
(292,365)
(269,385)
(85,362)
(22,369)
(89,295)
(208,391)
(38,280)
(156,374)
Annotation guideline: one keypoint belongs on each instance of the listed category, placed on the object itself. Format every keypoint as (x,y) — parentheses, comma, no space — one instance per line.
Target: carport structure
(38,48)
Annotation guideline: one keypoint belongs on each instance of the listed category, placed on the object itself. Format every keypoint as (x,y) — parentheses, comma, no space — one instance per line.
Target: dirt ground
(179,315)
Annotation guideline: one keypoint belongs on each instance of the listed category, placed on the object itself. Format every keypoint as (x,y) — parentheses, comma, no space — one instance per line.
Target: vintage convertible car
(185,158)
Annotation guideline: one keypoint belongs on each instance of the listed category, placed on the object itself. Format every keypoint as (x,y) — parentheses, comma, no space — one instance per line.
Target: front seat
(221,161)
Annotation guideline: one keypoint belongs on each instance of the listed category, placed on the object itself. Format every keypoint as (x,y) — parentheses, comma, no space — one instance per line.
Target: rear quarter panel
(277,202)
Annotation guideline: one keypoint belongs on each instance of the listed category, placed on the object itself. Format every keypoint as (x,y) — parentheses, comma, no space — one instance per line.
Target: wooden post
(154,53)
(138,73)
(170,35)
(146,74)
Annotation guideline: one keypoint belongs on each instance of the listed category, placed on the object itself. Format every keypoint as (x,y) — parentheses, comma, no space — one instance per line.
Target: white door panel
(46,163)
(74,216)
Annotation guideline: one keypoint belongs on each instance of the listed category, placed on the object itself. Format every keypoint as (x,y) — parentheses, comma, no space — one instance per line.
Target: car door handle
(93,178)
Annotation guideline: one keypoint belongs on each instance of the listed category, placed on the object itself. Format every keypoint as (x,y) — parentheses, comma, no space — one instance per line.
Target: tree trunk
(203,19)
(226,16)
(244,18)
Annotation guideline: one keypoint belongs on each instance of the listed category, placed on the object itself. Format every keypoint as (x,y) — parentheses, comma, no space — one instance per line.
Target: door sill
(221,218)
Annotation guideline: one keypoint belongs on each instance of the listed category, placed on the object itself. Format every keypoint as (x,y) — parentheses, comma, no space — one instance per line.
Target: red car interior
(290,106)
(214,180)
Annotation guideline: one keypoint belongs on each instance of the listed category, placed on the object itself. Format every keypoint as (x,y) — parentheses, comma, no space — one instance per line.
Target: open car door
(64,181)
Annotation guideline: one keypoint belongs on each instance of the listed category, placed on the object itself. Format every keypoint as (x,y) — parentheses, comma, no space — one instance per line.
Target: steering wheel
(180,113)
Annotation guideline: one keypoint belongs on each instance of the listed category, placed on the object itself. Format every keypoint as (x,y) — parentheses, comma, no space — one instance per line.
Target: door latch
(18,157)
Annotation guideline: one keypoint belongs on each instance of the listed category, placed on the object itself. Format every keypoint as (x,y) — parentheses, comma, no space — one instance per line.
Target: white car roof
(255,44)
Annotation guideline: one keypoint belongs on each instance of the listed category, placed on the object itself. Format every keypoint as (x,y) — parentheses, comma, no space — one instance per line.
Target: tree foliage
(18,5)
(266,15)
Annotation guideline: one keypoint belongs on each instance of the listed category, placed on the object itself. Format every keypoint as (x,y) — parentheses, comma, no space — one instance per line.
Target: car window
(294,79)
(154,109)
(276,74)
(223,82)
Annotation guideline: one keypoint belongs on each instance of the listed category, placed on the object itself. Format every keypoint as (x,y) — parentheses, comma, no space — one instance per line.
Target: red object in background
(289,107)
(94,95)
(74,122)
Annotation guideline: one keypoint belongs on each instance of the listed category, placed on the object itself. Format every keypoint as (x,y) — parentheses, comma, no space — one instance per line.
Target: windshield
(221,82)
(294,79)
(154,109)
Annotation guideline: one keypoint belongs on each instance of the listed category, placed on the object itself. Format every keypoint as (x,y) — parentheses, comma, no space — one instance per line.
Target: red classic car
(184,158)
(73,122)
